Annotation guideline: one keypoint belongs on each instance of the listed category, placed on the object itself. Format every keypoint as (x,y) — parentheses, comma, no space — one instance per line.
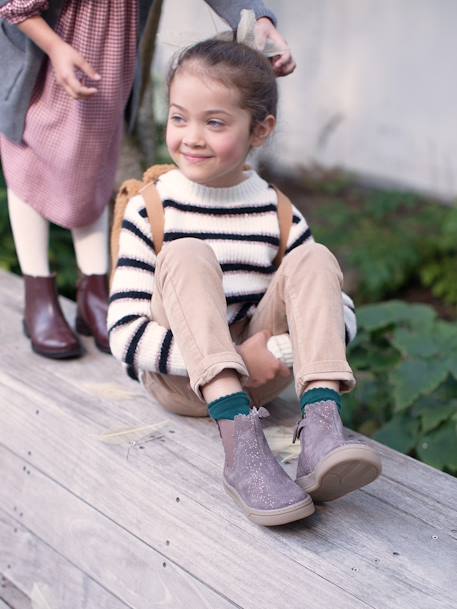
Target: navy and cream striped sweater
(241,226)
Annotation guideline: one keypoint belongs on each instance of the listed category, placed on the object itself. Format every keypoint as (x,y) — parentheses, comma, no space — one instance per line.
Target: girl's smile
(193,158)
(208,133)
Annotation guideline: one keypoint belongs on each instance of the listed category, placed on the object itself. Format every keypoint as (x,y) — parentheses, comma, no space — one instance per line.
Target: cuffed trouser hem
(326,371)
(212,366)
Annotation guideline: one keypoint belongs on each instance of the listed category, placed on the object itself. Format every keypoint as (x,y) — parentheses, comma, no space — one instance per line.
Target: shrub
(405,359)
(389,241)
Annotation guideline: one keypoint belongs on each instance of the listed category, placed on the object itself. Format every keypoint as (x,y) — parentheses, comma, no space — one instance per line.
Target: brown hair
(234,65)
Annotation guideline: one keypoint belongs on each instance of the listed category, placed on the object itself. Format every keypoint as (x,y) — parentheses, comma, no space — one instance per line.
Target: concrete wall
(375,91)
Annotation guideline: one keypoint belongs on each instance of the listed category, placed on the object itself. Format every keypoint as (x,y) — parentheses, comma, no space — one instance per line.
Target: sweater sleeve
(138,341)
(230,11)
(16,11)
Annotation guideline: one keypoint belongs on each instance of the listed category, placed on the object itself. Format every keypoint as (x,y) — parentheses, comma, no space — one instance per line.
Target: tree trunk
(138,150)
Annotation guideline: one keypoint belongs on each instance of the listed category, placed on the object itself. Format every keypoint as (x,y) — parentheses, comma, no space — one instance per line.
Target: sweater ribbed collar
(176,185)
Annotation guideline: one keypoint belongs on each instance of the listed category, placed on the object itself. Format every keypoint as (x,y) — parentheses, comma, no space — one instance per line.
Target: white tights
(31,238)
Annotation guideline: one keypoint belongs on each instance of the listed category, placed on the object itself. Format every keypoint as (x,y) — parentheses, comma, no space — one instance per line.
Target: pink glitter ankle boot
(329,466)
(256,481)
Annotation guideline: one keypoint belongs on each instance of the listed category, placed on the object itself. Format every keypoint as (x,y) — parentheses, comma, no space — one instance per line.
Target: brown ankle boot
(44,322)
(92,311)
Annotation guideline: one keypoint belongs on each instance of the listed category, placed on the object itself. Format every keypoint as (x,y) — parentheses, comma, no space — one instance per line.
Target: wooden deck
(89,522)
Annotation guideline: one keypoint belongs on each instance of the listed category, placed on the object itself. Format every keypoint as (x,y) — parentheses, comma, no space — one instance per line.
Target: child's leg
(44,322)
(305,300)
(189,299)
(188,294)
(31,237)
(91,246)
(92,255)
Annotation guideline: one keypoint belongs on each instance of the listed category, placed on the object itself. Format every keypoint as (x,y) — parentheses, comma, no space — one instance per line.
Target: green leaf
(417,344)
(451,362)
(400,433)
(413,378)
(375,360)
(439,447)
(377,316)
(433,417)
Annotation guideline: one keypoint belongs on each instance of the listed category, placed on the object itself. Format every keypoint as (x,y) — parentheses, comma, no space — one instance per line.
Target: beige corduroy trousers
(303,299)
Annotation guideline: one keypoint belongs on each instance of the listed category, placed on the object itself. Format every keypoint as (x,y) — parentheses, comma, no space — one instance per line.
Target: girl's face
(208,133)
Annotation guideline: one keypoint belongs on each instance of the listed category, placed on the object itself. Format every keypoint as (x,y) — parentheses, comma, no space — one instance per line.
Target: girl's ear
(262,131)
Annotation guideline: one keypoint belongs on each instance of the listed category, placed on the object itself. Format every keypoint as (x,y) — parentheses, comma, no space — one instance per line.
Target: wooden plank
(12,597)
(103,552)
(373,581)
(350,542)
(146,505)
(36,570)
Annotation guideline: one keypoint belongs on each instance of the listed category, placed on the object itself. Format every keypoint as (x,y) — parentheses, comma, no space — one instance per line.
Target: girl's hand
(283,64)
(262,365)
(65,60)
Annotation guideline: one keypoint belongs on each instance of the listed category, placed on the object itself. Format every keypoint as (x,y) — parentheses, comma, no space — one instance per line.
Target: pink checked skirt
(66,165)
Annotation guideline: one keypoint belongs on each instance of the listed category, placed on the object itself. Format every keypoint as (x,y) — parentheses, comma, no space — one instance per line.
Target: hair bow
(246,33)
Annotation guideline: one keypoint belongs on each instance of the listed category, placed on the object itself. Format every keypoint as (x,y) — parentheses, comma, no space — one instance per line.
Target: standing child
(68,68)
(210,323)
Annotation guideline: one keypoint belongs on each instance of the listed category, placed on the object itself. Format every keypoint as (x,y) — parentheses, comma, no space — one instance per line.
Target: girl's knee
(313,254)
(182,251)
(187,247)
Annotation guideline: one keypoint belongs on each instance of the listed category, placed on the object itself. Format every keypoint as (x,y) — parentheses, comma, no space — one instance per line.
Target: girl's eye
(176,119)
(215,124)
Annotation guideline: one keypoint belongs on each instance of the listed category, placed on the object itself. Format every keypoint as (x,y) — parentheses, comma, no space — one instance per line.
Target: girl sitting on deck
(210,324)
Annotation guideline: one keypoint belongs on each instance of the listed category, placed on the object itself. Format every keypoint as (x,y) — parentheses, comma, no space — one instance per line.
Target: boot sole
(271,518)
(82,328)
(51,354)
(342,471)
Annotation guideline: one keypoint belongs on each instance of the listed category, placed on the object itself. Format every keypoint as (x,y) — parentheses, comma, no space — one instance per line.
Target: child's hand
(283,64)
(65,60)
(262,365)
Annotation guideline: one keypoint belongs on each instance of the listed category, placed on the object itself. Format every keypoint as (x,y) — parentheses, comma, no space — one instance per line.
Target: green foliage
(391,241)
(440,271)
(405,359)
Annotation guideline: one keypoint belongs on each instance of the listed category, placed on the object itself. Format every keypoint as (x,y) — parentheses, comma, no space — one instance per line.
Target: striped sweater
(239,223)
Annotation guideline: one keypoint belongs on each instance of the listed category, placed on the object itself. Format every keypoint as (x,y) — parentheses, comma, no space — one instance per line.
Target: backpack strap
(128,189)
(285,213)
(155,213)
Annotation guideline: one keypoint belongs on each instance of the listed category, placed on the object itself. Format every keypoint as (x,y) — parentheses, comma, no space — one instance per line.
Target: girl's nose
(193,137)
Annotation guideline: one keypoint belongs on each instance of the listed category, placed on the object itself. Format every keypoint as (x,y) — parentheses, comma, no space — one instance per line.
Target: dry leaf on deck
(110,391)
(136,434)
(41,597)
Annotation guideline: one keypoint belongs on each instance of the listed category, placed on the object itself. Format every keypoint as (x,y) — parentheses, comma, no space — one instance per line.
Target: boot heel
(25,329)
(82,327)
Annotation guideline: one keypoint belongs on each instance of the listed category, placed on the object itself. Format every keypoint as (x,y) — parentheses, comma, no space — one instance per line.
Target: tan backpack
(155,212)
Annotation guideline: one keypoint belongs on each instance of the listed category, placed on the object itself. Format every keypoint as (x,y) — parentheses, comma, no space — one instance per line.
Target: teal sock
(319,394)
(229,406)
